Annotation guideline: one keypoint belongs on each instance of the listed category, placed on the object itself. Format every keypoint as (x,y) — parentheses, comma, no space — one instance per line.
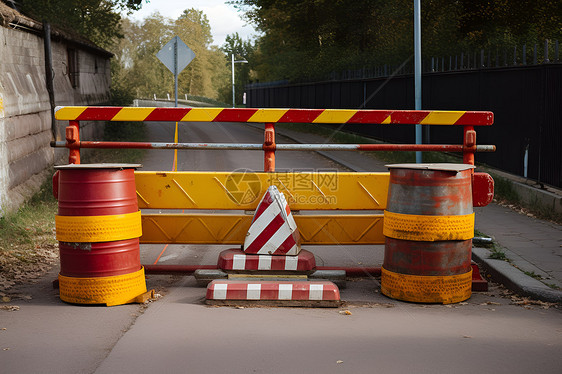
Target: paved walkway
(532,246)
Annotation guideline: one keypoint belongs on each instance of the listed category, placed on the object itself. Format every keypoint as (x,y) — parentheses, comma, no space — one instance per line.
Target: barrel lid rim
(438,167)
(98,166)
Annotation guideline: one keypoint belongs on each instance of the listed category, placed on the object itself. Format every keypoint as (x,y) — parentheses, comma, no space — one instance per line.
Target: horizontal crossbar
(243,190)
(278,147)
(231,229)
(253,115)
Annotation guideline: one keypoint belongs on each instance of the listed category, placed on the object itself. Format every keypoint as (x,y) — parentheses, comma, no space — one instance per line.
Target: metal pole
(233,105)
(176,69)
(417,70)
(49,74)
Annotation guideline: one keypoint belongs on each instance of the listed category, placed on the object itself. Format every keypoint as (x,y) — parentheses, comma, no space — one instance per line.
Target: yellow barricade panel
(232,229)
(243,191)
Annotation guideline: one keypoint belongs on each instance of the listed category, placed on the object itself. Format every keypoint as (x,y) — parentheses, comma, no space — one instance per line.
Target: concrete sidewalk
(532,247)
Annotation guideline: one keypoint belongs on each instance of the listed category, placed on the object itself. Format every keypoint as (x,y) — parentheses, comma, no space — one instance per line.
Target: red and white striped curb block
(273,230)
(236,259)
(272,290)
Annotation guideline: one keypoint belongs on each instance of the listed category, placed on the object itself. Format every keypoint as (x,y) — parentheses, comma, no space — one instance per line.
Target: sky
(223,18)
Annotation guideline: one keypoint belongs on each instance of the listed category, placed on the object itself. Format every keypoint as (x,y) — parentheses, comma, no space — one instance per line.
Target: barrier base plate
(238,260)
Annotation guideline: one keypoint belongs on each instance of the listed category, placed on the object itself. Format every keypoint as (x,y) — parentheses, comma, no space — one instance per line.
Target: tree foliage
(241,49)
(97,20)
(308,38)
(139,70)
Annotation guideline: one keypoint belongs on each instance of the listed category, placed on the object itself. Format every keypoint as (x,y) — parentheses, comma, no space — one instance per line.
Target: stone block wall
(25,117)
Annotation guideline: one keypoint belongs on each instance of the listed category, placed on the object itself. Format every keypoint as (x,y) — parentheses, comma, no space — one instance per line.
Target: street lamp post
(234,62)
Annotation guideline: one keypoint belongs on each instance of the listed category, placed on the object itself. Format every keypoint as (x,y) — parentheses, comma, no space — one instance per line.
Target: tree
(307,39)
(141,71)
(241,49)
(97,20)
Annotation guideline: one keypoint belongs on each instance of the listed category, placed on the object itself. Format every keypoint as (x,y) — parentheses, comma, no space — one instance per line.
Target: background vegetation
(306,39)
(301,39)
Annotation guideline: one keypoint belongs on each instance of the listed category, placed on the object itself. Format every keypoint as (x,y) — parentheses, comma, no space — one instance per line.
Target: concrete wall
(25,118)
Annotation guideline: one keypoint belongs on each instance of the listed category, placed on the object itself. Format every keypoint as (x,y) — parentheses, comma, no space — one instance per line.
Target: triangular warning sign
(273,230)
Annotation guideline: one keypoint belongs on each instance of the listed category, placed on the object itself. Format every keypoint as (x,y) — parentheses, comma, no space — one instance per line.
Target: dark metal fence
(526,101)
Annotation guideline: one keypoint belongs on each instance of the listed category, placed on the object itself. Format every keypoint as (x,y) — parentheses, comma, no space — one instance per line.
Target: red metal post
(269,148)
(469,145)
(73,137)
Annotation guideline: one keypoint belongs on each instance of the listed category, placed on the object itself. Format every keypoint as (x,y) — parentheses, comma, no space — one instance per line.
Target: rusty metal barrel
(98,227)
(428,228)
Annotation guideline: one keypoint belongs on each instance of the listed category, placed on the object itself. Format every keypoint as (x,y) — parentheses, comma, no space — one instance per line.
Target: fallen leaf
(6,299)
(11,308)
(345,312)
(339,362)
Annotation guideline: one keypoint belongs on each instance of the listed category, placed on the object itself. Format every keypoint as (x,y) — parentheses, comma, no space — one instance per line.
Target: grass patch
(498,254)
(532,274)
(28,247)
(119,132)
(503,190)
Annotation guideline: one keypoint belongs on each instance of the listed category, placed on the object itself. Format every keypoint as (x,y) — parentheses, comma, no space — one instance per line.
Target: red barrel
(99,259)
(428,225)
(98,228)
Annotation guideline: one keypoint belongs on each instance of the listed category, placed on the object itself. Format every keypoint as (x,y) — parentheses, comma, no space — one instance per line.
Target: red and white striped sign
(272,290)
(236,259)
(273,230)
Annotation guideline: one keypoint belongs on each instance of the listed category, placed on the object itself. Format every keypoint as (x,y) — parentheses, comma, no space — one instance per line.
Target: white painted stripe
(291,262)
(316,291)
(239,262)
(219,292)
(285,291)
(291,221)
(264,262)
(276,240)
(261,223)
(254,291)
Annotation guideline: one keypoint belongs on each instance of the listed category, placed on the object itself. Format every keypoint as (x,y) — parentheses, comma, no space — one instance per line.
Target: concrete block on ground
(282,293)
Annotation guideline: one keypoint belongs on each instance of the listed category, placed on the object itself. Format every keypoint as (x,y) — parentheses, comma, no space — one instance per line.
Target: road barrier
(98,226)
(428,225)
(365,194)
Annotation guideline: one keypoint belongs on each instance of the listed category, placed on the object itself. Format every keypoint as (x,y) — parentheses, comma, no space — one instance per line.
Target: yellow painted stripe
(334,116)
(92,229)
(115,290)
(426,289)
(438,117)
(201,114)
(132,114)
(267,115)
(428,228)
(69,112)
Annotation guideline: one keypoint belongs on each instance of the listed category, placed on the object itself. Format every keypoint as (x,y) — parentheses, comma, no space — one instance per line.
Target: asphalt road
(178,333)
